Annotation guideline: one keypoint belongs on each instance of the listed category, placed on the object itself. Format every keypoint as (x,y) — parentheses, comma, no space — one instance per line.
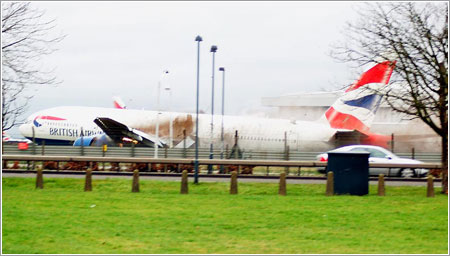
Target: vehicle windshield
(373,152)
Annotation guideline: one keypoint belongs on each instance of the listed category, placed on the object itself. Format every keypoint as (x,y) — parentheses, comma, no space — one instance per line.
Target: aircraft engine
(97,140)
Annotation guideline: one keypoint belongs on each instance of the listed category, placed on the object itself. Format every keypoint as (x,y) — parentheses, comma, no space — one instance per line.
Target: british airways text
(72,132)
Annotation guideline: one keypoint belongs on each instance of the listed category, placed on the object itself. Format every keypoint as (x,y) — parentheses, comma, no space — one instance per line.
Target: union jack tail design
(356,109)
(118,103)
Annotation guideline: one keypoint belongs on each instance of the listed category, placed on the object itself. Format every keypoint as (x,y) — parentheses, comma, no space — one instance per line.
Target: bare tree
(416,36)
(25,40)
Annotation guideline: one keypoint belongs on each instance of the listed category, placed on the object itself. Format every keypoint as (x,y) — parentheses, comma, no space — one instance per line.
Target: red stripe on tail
(381,73)
(117,105)
(340,120)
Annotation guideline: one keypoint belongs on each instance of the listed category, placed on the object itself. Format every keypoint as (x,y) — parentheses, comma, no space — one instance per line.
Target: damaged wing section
(120,132)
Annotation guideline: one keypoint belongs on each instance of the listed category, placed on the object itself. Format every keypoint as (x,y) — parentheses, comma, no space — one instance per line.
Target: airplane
(118,103)
(346,122)
(6,139)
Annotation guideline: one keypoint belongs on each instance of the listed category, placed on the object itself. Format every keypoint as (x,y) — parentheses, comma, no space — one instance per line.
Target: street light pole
(211,154)
(168,88)
(223,112)
(171,119)
(198,39)
(157,113)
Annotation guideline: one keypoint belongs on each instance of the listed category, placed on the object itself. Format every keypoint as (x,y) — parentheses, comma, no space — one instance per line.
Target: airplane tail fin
(118,103)
(356,108)
(5,137)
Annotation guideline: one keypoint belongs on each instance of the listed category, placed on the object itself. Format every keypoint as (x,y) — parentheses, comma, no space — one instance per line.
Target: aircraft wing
(117,131)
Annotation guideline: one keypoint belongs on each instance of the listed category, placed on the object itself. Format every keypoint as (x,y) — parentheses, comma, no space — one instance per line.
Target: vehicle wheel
(407,173)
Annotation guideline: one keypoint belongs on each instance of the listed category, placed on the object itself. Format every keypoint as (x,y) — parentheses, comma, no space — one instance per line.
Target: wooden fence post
(184,182)
(330,184)
(135,185)
(381,190)
(430,186)
(234,185)
(88,180)
(282,185)
(39,179)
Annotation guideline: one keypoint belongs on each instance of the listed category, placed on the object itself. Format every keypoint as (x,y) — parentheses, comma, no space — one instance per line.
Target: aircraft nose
(26,130)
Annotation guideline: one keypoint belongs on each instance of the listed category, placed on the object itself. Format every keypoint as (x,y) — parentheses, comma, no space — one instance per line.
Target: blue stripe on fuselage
(370,102)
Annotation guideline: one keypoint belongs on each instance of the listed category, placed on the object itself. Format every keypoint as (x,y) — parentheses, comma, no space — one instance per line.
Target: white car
(380,155)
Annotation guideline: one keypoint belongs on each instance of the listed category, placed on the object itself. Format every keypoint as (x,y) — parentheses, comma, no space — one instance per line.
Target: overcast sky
(121,48)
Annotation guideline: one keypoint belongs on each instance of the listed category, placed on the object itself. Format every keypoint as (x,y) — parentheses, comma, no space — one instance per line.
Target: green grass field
(62,219)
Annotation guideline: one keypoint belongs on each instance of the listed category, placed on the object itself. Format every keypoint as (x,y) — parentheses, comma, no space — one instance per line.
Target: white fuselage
(65,124)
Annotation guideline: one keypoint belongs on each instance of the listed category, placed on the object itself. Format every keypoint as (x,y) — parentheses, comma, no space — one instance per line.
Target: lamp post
(223,112)
(211,154)
(198,39)
(168,88)
(157,112)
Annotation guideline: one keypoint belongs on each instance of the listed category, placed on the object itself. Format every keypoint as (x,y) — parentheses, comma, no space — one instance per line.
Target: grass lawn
(62,219)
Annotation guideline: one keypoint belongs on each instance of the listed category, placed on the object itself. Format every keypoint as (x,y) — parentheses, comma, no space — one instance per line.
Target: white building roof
(302,99)
(305,99)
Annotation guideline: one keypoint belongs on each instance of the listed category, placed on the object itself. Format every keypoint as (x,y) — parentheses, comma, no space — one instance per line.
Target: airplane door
(292,139)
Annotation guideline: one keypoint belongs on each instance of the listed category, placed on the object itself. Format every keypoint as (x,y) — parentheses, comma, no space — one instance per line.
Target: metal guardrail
(182,153)
(282,163)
